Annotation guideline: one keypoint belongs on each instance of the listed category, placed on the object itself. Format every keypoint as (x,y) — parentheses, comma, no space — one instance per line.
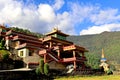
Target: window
(31,52)
(21,53)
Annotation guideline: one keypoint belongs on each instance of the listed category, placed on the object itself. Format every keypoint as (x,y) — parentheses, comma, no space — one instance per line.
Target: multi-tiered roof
(61,50)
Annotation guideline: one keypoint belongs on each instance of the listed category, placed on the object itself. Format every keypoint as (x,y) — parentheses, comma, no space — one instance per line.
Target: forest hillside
(109,41)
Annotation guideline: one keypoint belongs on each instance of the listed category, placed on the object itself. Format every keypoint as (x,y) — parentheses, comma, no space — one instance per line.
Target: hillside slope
(109,41)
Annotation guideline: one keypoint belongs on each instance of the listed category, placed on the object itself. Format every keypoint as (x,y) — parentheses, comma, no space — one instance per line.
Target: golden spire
(102,56)
(55,29)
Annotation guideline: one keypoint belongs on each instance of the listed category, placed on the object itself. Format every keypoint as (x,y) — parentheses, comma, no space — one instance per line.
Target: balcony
(74,47)
(29,45)
(71,47)
(80,59)
(26,40)
(43,51)
(69,59)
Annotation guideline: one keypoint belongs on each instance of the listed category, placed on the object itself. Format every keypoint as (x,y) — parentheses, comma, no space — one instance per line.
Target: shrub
(41,66)
(4,54)
(46,68)
(109,72)
(37,71)
(2,44)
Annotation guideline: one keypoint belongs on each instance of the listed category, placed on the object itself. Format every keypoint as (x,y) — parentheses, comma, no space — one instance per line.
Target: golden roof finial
(55,29)
(102,56)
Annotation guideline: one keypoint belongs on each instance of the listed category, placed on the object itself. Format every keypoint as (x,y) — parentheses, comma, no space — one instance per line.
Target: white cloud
(58,4)
(101,28)
(81,12)
(10,11)
(65,23)
(43,17)
(46,13)
(104,20)
(105,16)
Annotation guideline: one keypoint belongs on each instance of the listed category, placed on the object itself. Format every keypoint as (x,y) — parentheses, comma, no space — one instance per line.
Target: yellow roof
(55,30)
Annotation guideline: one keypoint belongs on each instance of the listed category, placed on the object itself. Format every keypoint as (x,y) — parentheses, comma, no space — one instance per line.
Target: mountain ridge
(109,41)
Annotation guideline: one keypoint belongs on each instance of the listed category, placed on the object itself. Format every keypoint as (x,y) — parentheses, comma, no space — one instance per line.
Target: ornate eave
(53,39)
(29,45)
(56,31)
(74,47)
(27,39)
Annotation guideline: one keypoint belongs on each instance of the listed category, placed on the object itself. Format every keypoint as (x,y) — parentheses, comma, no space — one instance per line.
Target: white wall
(25,52)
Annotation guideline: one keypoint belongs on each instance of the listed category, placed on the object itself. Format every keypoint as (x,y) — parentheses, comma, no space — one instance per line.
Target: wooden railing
(71,47)
(74,47)
(53,56)
(43,51)
(27,39)
(69,59)
(29,45)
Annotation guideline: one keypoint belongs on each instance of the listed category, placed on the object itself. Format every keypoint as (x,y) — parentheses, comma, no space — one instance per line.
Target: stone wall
(31,60)
(5,66)
(56,65)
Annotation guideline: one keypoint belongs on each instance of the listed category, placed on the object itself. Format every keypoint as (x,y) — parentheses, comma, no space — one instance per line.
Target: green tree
(41,66)
(4,54)
(26,31)
(37,71)
(93,61)
(2,43)
(46,68)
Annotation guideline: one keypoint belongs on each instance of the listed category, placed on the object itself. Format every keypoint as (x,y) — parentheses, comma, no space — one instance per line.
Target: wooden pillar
(7,42)
(74,65)
(73,53)
(58,54)
(83,65)
(45,58)
(50,44)
(74,61)
(83,56)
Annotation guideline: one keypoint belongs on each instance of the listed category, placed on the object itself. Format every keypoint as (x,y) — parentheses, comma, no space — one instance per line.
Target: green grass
(105,77)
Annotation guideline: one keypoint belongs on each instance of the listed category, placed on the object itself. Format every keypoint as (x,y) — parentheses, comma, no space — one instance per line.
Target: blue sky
(75,17)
